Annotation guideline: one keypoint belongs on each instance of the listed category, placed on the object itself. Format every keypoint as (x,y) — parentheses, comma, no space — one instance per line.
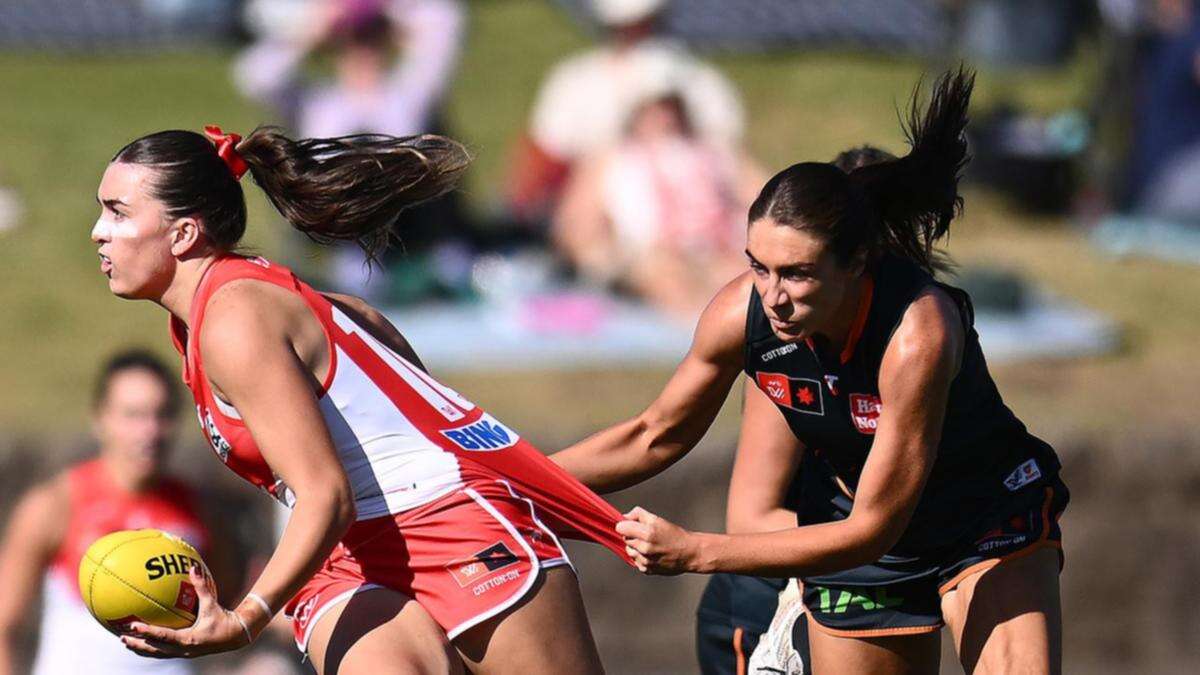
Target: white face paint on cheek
(108,229)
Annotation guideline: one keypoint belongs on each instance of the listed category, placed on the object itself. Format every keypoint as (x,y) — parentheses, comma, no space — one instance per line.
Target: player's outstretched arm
(914,383)
(632,451)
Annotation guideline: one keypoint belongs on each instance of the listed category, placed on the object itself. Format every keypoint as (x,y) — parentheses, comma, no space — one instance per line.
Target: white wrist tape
(261,603)
(245,628)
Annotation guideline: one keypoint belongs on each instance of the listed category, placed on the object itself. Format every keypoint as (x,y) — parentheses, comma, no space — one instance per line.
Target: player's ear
(185,234)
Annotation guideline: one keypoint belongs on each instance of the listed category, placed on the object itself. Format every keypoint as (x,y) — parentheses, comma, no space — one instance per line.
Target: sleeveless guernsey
(70,640)
(831,402)
(403,438)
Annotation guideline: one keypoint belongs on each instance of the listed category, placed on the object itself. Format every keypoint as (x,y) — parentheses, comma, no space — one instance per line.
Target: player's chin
(122,289)
(788,332)
(118,289)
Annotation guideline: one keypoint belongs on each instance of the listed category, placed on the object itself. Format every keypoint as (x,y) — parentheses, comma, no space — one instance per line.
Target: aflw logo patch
(798,393)
(485,434)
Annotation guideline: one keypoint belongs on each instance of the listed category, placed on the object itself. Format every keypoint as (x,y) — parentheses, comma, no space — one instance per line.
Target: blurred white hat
(620,12)
(281,19)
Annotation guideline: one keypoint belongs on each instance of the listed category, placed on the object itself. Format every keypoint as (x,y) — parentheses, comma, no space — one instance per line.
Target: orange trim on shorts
(874,632)
(737,651)
(985,565)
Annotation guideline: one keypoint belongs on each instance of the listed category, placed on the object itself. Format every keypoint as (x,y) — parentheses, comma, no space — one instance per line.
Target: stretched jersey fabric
(70,640)
(403,438)
(831,403)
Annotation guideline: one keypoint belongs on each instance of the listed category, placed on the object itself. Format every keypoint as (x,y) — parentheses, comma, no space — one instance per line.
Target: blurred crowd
(632,166)
(631,175)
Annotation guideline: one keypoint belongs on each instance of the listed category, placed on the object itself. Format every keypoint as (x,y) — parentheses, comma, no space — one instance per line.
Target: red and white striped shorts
(465,557)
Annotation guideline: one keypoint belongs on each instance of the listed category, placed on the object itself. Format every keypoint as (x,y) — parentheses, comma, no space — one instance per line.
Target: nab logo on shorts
(864,410)
(467,571)
(485,434)
(798,393)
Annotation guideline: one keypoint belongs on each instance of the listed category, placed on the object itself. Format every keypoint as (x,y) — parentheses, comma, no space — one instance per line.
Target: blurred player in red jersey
(136,407)
(424,532)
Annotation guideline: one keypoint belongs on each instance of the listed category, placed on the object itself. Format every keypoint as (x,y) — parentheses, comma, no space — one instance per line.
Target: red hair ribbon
(227,149)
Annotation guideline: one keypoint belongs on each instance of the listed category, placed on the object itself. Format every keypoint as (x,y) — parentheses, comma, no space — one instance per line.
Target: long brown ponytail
(351,188)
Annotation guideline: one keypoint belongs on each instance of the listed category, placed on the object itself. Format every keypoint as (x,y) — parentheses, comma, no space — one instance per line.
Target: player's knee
(1012,657)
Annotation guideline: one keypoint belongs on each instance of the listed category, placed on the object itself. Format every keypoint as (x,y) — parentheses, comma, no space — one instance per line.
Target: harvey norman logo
(484,434)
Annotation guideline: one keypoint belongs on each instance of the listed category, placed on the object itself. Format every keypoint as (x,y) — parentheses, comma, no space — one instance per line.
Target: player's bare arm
(768,455)
(918,366)
(253,353)
(639,448)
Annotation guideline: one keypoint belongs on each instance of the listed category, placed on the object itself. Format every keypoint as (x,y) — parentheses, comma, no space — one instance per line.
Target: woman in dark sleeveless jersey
(737,610)
(924,500)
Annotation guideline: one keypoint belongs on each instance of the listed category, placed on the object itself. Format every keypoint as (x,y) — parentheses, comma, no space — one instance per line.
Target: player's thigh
(380,632)
(547,632)
(1008,619)
(894,655)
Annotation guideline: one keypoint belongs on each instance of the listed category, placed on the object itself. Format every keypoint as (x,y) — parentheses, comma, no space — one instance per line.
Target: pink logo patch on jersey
(864,410)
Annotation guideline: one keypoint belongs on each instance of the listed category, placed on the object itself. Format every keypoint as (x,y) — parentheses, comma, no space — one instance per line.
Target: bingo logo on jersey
(485,434)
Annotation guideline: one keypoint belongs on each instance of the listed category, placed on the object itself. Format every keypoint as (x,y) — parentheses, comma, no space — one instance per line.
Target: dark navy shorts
(902,596)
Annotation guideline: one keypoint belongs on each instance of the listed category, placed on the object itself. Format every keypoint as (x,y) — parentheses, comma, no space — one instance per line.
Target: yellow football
(140,575)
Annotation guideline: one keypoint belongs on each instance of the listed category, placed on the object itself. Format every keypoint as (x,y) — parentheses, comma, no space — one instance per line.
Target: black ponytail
(915,197)
(351,188)
(899,207)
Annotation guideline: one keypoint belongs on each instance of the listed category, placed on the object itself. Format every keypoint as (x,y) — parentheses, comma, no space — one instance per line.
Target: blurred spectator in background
(585,103)
(661,213)
(393,61)
(135,410)
(1164,174)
